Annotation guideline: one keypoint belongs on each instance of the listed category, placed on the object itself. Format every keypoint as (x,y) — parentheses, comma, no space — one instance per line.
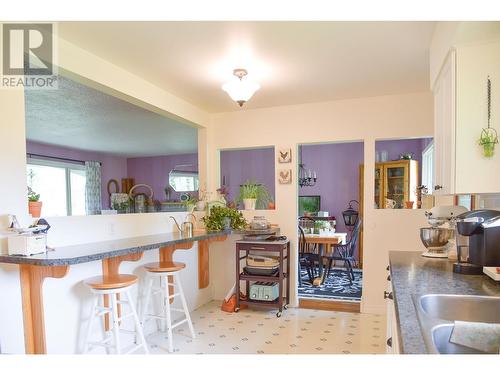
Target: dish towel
(484,337)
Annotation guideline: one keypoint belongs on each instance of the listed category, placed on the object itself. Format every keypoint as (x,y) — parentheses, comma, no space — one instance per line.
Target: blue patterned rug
(336,286)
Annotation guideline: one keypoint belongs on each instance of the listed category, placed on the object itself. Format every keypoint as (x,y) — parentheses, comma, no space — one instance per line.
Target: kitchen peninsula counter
(412,274)
(33,270)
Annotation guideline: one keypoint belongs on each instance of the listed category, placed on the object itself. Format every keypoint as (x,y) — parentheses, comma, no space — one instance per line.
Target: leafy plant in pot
(254,195)
(34,204)
(222,218)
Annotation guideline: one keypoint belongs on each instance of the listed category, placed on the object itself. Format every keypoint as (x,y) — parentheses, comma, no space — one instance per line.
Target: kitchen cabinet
(396,180)
(460,112)
(392,336)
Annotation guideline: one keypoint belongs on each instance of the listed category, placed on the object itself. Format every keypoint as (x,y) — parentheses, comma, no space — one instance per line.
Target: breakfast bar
(56,263)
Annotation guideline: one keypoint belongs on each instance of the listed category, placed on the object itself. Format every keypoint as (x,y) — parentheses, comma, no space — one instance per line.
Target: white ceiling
(81,117)
(295,62)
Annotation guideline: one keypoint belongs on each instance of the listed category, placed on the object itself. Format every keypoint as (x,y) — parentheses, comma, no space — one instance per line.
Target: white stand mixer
(439,238)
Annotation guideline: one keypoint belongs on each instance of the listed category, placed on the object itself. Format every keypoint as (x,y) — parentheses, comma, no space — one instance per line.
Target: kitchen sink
(458,307)
(438,312)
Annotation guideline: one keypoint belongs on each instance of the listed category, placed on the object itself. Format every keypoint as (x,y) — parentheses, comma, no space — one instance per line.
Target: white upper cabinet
(444,128)
(460,112)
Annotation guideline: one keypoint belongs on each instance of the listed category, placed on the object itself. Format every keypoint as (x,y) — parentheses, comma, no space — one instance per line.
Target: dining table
(325,242)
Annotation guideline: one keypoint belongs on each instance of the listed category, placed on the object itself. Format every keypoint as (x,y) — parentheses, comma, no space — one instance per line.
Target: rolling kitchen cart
(279,248)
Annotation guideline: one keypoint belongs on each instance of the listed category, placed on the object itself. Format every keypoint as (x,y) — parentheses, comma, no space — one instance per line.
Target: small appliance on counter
(478,241)
(439,237)
(27,241)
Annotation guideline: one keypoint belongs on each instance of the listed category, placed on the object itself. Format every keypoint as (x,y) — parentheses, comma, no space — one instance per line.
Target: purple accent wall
(337,167)
(154,171)
(399,146)
(237,166)
(111,166)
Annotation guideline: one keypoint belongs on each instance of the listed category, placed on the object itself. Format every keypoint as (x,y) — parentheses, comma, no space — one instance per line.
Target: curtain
(93,187)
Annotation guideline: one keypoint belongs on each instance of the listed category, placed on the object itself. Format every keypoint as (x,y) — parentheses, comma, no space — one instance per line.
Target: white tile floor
(256,331)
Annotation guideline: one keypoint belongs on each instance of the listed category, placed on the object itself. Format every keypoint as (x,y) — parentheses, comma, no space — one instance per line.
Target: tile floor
(256,331)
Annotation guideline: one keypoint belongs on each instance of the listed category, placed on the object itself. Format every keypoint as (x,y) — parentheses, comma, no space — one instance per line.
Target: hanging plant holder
(488,140)
(489,136)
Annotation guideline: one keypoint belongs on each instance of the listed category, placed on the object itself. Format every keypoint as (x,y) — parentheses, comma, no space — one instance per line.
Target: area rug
(336,286)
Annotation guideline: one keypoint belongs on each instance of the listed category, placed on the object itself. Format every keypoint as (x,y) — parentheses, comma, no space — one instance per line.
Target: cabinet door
(396,183)
(444,128)
(379,186)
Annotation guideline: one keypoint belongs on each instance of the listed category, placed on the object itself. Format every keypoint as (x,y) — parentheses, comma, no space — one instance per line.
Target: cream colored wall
(365,119)
(474,64)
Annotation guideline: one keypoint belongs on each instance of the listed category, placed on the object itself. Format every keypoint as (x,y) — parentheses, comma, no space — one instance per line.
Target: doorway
(330,261)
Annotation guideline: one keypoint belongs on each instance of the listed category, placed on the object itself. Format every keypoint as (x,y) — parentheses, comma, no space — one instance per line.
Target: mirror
(403,173)
(92,153)
(246,174)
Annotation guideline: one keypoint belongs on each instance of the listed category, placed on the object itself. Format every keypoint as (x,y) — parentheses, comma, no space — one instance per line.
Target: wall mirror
(404,173)
(93,153)
(248,174)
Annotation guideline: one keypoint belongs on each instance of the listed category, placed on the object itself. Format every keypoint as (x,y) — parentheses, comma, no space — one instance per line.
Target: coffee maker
(478,241)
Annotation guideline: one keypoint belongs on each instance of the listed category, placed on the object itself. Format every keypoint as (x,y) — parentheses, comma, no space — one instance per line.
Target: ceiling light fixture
(240,89)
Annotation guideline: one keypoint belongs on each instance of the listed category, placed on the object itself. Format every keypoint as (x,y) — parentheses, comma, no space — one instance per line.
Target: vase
(227,222)
(35,208)
(249,203)
(200,205)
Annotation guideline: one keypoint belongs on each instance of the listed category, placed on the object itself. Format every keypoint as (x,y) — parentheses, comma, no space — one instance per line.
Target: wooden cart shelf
(282,248)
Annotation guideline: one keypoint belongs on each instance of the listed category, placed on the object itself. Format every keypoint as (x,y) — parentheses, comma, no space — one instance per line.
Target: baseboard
(323,304)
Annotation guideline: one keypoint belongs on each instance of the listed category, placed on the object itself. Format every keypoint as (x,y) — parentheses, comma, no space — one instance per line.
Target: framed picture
(285,176)
(285,155)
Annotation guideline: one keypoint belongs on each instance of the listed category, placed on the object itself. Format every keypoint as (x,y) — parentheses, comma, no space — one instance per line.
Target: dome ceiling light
(240,89)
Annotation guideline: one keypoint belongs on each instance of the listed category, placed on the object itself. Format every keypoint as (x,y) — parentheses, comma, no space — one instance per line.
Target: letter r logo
(27,49)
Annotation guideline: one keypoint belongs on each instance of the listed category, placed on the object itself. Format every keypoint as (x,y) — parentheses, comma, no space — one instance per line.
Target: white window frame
(428,167)
(67,168)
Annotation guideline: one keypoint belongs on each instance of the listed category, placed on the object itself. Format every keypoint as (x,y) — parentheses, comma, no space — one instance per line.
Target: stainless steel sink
(437,312)
(456,307)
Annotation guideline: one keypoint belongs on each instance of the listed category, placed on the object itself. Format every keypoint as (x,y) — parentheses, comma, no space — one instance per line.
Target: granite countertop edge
(413,275)
(85,258)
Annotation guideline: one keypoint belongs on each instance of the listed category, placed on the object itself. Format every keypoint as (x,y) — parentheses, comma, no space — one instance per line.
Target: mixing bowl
(435,237)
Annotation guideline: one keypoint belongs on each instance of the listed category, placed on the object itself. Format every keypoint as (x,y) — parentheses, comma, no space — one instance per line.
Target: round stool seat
(164,266)
(111,282)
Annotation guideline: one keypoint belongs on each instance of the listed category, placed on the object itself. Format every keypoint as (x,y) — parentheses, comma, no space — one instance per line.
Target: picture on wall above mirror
(403,173)
(94,153)
(248,177)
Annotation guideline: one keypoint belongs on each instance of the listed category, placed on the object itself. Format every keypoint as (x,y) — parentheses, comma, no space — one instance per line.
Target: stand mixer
(439,238)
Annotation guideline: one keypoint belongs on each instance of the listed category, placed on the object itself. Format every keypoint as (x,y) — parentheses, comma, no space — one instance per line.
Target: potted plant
(222,218)
(34,204)
(254,195)
(488,140)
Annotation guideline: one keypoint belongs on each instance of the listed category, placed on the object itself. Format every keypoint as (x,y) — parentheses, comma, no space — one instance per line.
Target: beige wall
(365,119)
(474,64)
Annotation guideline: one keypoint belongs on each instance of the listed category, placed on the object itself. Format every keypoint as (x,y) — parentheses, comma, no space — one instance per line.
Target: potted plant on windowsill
(34,204)
(254,195)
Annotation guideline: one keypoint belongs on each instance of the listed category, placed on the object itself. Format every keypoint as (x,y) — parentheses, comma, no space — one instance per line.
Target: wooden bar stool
(112,287)
(167,273)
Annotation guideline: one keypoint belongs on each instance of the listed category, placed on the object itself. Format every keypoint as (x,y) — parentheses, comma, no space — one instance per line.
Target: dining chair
(344,252)
(307,259)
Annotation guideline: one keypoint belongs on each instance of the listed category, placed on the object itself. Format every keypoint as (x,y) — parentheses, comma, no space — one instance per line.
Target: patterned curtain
(93,187)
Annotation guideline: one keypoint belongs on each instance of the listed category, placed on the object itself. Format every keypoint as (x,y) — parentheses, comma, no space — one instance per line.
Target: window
(428,167)
(61,186)
(183,180)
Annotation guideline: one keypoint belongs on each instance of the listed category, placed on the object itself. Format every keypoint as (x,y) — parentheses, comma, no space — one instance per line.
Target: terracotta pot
(409,204)
(271,206)
(35,208)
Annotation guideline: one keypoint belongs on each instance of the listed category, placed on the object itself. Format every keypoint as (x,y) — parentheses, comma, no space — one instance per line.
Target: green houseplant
(34,204)
(254,195)
(221,218)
